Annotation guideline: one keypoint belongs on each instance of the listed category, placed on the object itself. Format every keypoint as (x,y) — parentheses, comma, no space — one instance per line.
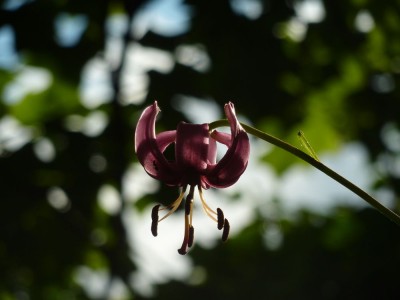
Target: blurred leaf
(59,100)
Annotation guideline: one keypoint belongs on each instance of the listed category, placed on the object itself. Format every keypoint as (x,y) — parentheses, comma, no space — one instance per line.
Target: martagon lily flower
(194,165)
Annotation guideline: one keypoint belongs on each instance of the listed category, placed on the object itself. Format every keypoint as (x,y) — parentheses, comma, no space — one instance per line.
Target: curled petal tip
(229,108)
(230,104)
(145,128)
(149,150)
(230,113)
(228,170)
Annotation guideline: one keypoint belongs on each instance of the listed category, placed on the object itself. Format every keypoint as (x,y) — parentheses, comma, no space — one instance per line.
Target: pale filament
(174,206)
(208,210)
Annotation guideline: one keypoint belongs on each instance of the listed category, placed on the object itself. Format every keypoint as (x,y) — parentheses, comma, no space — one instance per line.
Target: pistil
(189,230)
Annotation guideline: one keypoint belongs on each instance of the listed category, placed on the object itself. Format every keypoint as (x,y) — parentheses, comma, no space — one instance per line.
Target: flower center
(217,216)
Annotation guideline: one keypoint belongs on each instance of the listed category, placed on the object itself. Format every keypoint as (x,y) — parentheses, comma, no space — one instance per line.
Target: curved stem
(317,164)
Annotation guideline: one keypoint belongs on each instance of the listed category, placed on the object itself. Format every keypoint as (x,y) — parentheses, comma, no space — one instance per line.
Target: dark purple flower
(194,165)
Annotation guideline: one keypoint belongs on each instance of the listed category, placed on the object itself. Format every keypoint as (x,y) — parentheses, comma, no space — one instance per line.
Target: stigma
(188,238)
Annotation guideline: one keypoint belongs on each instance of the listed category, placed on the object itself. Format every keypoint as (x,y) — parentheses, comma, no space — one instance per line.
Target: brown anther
(225,233)
(220,218)
(154,213)
(182,250)
(154,226)
(191,236)
(154,218)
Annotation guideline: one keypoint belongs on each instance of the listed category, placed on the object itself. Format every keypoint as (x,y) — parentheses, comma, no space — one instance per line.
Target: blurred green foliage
(335,81)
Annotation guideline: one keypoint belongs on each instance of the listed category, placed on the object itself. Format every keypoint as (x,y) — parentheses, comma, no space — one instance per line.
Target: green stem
(317,164)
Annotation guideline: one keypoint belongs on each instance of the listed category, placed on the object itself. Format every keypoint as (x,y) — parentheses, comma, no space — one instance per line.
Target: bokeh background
(75,204)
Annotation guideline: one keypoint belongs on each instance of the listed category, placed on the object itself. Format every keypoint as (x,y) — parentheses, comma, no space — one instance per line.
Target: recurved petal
(165,138)
(145,128)
(148,150)
(230,112)
(222,137)
(228,170)
(212,151)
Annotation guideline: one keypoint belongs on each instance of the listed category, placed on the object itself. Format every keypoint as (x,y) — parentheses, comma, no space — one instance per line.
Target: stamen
(225,233)
(191,236)
(185,243)
(174,206)
(154,226)
(182,250)
(206,208)
(188,237)
(154,212)
(154,218)
(220,219)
